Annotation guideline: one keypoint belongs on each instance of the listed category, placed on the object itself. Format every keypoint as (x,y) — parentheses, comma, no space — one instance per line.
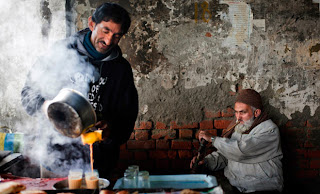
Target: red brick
(174,125)
(138,144)
(313,122)
(307,173)
(289,124)
(172,154)
(294,142)
(162,144)
(313,154)
(197,134)
(123,146)
(158,154)
(125,154)
(294,137)
(299,163)
(315,164)
(160,125)
(185,134)
(227,113)
(313,134)
(309,134)
(181,144)
(196,144)
(183,154)
(294,153)
(294,132)
(308,144)
(146,165)
(213,132)
(309,124)
(163,164)
(181,164)
(221,124)
(211,114)
(132,135)
(141,134)
(208,124)
(163,133)
(144,125)
(140,155)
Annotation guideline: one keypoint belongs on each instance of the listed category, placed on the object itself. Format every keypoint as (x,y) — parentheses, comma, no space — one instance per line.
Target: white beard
(241,128)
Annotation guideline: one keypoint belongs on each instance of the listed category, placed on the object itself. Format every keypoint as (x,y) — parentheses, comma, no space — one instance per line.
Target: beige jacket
(251,162)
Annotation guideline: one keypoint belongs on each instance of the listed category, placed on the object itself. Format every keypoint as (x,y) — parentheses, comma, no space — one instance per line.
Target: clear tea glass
(75,179)
(92,179)
(143,179)
(135,168)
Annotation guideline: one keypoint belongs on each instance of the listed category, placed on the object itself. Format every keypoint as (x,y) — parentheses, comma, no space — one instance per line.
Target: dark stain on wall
(47,16)
(314,49)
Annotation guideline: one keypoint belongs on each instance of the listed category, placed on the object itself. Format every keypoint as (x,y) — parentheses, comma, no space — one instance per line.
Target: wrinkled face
(104,35)
(243,112)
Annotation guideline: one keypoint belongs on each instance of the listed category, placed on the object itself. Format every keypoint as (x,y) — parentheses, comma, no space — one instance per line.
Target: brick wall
(168,148)
(301,148)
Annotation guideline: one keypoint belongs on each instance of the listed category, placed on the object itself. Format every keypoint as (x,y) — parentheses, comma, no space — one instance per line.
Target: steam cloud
(21,45)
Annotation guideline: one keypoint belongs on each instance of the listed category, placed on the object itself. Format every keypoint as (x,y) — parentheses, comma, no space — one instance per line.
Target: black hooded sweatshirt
(108,85)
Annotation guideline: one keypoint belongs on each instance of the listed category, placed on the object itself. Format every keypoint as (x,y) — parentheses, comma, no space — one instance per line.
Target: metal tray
(75,191)
(186,181)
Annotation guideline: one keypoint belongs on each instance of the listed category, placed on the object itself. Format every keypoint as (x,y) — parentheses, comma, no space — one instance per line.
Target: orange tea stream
(90,138)
(91,157)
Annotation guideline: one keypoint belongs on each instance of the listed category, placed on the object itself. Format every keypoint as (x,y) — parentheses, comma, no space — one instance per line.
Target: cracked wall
(190,55)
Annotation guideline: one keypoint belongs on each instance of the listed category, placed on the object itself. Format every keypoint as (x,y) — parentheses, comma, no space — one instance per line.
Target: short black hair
(114,12)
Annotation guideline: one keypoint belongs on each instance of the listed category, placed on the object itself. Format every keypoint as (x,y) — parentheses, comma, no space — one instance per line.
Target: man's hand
(194,160)
(104,127)
(205,135)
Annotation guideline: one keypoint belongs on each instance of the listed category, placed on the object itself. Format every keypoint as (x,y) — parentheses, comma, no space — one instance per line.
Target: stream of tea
(91,157)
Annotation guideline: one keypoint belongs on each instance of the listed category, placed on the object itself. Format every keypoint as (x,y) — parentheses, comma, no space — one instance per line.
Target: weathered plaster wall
(30,27)
(17,36)
(189,55)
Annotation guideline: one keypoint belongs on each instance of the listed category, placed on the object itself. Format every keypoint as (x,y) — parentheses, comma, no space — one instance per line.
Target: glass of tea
(75,179)
(92,179)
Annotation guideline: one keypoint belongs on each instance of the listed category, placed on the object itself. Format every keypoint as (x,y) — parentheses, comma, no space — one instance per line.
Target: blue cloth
(90,48)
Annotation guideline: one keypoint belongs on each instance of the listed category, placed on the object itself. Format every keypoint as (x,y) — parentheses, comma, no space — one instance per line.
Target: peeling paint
(83,11)
(190,54)
(314,49)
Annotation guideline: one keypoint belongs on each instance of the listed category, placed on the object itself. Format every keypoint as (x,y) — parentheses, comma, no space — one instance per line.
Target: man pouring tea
(91,62)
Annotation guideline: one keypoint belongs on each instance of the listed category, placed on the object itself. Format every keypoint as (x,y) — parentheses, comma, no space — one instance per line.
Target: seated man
(250,153)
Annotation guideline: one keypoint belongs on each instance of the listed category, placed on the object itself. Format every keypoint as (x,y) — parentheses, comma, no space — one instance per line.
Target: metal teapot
(71,113)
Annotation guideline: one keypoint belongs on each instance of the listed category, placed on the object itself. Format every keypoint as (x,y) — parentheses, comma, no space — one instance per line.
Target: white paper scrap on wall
(241,17)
